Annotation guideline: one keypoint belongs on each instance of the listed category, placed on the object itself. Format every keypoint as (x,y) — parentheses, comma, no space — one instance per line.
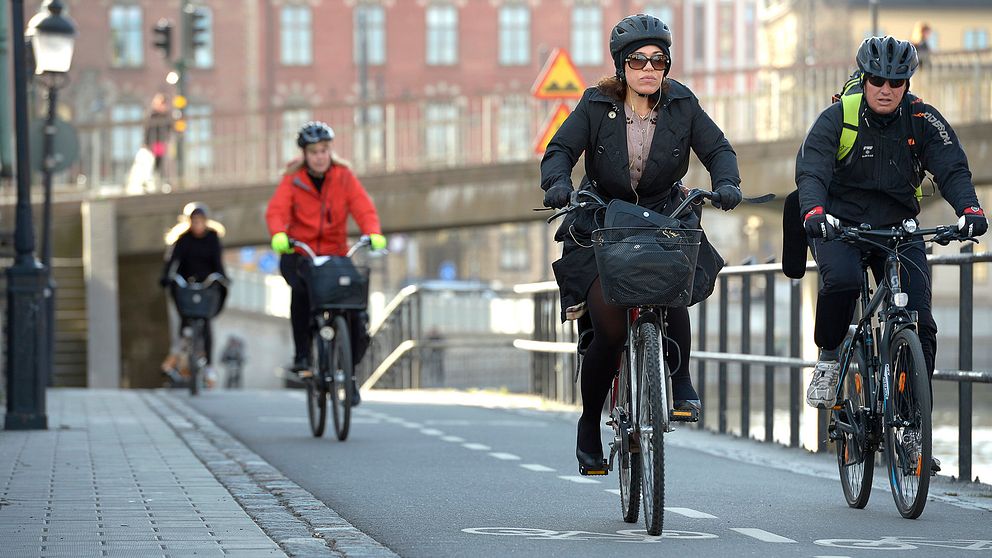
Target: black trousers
(840,270)
(291,266)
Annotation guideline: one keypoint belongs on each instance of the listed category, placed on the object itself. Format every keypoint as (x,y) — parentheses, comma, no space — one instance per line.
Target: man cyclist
(312,204)
(876,183)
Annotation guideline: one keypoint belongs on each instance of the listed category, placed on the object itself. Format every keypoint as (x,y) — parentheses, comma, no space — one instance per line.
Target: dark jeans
(291,267)
(208,338)
(840,271)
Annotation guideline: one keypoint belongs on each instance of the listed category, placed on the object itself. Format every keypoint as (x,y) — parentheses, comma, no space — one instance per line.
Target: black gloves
(557,196)
(820,224)
(973,222)
(727,197)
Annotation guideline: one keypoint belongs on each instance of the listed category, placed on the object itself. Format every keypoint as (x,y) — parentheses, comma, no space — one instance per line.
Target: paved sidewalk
(122,473)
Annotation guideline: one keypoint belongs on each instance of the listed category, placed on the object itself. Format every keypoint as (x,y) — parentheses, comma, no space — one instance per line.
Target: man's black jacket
(876,181)
(598,128)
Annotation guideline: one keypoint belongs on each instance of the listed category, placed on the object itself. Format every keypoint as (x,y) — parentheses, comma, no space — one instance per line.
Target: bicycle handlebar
(362,242)
(692,195)
(942,234)
(214,277)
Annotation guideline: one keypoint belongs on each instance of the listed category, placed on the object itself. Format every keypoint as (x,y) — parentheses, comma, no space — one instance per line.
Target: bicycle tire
(342,379)
(317,388)
(629,468)
(855,462)
(908,446)
(195,350)
(651,423)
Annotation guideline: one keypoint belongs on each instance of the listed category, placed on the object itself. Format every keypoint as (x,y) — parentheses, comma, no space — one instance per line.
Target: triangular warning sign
(561,113)
(559,79)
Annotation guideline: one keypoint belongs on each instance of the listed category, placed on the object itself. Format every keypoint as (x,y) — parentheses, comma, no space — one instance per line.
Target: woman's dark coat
(597,127)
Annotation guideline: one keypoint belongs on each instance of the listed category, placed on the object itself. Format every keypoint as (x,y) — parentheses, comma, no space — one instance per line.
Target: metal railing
(552,347)
(225,148)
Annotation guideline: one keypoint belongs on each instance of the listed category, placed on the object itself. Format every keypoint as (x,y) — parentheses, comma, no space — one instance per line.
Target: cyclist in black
(877,183)
(636,129)
(194,254)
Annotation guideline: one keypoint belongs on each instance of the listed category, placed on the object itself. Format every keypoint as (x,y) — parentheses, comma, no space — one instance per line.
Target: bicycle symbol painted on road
(625,535)
(904,543)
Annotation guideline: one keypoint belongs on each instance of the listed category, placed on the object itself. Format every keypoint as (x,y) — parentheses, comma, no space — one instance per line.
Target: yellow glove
(280,243)
(377,242)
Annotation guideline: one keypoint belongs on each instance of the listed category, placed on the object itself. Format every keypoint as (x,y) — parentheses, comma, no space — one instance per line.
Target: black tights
(602,358)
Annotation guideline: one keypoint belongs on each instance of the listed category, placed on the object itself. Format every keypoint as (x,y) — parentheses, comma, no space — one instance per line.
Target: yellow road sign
(559,79)
(561,113)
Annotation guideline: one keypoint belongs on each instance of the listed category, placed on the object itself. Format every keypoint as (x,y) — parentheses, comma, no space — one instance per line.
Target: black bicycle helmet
(888,57)
(314,132)
(636,31)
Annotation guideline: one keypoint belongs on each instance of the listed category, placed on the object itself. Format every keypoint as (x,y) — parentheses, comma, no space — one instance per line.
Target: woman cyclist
(636,129)
(311,205)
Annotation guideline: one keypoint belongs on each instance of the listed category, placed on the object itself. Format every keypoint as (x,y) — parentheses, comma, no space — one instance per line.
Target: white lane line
(477,447)
(537,468)
(761,535)
(504,456)
(613,491)
(689,512)
(432,432)
(578,479)
(411,425)
(452,439)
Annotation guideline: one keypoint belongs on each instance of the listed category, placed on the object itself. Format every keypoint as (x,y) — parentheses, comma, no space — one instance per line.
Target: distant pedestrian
(921,40)
(158,129)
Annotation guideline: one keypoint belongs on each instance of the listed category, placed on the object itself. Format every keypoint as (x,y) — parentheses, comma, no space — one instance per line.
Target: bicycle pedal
(305,374)
(593,471)
(683,415)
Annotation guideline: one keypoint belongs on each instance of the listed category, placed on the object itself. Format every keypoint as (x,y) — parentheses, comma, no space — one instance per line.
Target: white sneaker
(822,390)
(210,376)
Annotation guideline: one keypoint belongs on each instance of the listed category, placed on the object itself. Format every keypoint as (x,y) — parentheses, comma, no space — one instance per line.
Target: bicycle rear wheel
(908,440)
(629,464)
(855,460)
(342,383)
(651,423)
(317,388)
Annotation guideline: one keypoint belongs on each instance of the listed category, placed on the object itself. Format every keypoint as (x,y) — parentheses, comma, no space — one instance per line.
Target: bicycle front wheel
(196,360)
(342,383)
(317,388)
(629,464)
(651,423)
(851,423)
(908,448)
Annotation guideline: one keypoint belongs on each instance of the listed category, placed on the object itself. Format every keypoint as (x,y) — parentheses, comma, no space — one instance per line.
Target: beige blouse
(640,132)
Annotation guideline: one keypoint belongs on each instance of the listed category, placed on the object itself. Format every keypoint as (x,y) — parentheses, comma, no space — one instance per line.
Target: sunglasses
(638,61)
(878,81)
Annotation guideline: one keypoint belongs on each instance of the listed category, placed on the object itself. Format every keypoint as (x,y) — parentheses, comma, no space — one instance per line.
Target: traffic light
(163,37)
(198,27)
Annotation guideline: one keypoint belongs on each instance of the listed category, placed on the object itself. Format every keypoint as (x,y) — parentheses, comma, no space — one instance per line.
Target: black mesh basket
(194,302)
(646,266)
(337,284)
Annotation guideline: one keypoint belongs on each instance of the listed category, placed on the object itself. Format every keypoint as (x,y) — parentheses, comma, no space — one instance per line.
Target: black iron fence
(774,343)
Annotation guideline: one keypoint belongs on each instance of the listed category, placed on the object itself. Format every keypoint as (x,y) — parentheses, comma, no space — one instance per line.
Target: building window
(587,35)
(296,36)
(126,37)
(725,41)
(975,39)
(442,35)
(198,135)
(750,33)
(698,34)
(514,129)
(661,11)
(292,121)
(203,56)
(514,35)
(126,135)
(441,141)
(514,248)
(374,29)
(370,137)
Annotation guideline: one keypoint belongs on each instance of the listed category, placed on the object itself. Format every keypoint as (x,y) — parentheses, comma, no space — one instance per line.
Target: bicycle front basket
(646,266)
(197,303)
(337,284)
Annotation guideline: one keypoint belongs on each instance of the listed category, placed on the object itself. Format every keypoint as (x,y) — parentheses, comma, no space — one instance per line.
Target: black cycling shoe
(356,396)
(301,366)
(591,464)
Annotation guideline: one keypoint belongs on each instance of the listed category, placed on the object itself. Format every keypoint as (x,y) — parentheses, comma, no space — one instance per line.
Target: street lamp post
(52,40)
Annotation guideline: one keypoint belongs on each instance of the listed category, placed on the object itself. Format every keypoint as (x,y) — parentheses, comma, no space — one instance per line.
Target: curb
(298,522)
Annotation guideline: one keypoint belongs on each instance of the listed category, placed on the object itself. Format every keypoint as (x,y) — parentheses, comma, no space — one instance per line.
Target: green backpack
(850,97)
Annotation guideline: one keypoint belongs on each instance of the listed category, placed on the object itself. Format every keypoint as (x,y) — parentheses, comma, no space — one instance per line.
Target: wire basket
(646,266)
(198,303)
(337,284)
